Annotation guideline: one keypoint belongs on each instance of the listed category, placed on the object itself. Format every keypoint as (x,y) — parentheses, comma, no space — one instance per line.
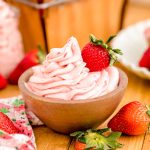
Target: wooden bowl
(68,116)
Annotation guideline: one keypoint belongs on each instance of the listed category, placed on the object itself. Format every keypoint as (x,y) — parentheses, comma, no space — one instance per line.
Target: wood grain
(46,139)
(135,13)
(146,142)
(9,91)
(137,90)
(80,18)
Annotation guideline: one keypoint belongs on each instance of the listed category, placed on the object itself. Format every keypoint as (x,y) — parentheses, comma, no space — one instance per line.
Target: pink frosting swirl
(11,49)
(63,75)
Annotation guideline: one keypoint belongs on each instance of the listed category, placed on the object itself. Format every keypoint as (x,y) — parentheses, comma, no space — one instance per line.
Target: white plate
(132,42)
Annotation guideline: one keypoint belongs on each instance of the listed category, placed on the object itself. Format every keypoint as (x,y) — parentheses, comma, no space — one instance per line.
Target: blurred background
(60,19)
(24,24)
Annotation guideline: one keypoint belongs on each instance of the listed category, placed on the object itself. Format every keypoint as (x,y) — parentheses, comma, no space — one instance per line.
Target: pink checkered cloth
(14,108)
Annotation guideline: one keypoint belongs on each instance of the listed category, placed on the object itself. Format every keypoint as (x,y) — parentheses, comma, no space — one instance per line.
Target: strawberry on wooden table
(132,119)
(3,82)
(93,139)
(98,55)
(7,125)
(31,59)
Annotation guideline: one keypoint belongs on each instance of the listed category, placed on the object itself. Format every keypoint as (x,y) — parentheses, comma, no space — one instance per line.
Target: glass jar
(11,46)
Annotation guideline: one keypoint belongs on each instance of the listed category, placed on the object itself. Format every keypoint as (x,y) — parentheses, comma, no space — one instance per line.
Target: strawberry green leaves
(40,54)
(110,38)
(148,110)
(112,140)
(94,40)
(112,52)
(97,139)
(79,135)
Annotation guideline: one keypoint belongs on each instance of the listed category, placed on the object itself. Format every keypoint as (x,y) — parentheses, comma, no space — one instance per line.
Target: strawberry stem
(112,52)
(97,139)
(41,54)
(94,40)
(110,38)
(148,110)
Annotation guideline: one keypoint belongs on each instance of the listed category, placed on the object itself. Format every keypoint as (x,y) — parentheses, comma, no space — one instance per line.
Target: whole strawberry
(7,125)
(132,119)
(145,60)
(98,55)
(31,59)
(3,82)
(93,139)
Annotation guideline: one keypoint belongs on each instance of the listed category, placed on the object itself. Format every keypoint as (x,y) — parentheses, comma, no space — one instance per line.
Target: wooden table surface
(46,139)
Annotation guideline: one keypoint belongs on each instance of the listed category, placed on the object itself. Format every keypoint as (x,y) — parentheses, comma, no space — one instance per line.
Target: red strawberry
(145,60)
(95,139)
(98,55)
(79,145)
(31,59)
(3,82)
(132,119)
(7,125)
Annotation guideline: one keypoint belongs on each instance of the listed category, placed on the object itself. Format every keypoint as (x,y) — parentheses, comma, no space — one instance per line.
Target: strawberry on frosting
(63,75)
(11,49)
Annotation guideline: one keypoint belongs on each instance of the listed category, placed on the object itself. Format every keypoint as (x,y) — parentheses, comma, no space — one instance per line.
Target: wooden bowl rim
(123,81)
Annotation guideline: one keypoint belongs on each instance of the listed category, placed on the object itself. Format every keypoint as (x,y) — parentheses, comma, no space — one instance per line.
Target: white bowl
(133,43)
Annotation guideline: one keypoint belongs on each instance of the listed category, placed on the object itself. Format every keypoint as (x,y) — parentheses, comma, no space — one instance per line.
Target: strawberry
(145,60)
(3,82)
(31,59)
(98,55)
(132,119)
(95,139)
(7,125)
(79,145)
